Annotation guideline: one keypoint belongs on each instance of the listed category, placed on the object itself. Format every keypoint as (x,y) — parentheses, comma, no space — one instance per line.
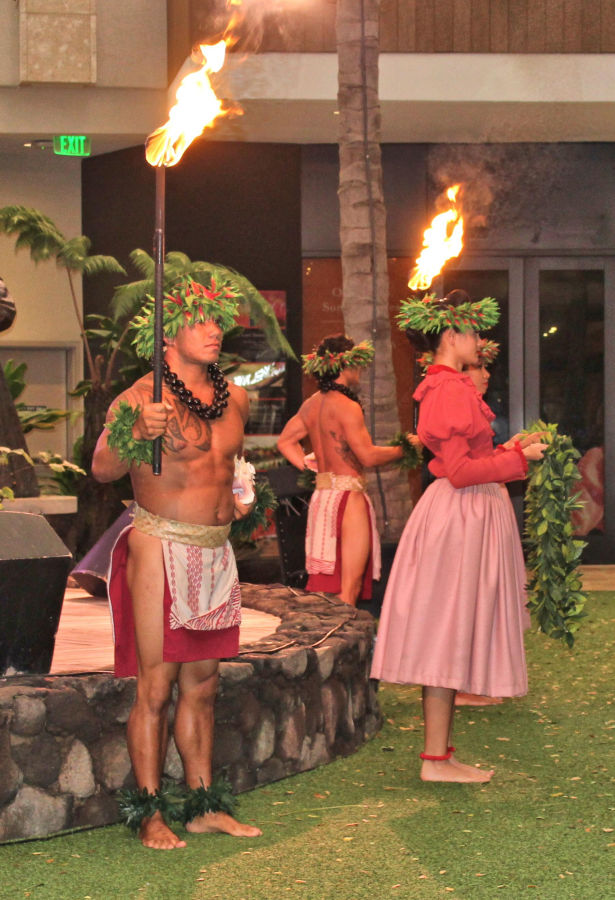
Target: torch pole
(158,297)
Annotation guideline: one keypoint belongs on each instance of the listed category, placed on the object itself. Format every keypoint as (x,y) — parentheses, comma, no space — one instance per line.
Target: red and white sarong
(323,541)
(202,601)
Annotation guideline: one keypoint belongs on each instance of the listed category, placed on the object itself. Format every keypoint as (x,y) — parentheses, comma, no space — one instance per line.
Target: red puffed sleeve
(451,424)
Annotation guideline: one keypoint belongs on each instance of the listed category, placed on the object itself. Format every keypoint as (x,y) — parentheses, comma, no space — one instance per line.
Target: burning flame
(441,241)
(196,109)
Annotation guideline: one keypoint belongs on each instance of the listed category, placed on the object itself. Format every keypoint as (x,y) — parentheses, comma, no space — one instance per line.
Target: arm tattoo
(342,448)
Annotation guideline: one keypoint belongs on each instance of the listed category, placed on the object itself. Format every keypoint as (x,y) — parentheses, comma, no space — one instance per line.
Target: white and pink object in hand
(243,481)
(309,462)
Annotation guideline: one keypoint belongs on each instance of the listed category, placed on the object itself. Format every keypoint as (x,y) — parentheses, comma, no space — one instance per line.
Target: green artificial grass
(366,827)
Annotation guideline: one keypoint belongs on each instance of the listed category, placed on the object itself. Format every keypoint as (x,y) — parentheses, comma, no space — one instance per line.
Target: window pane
(572,376)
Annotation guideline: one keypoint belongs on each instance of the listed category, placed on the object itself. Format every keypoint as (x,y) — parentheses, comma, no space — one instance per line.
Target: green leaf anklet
(175,803)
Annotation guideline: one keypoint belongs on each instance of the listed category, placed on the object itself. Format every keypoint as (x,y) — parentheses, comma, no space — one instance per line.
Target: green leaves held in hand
(555,595)
(306,480)
(412,458)
(128,448)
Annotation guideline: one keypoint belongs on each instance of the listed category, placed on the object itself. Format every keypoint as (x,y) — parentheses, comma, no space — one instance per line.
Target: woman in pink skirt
(452,619)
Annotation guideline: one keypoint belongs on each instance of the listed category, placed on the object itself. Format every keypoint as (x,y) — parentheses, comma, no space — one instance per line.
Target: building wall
(130,43)
(531,198)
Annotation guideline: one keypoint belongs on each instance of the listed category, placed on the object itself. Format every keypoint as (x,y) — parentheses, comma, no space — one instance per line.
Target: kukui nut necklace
(203,410)
(326,385)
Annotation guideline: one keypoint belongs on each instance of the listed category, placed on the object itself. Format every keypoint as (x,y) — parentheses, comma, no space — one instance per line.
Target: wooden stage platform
(84,642)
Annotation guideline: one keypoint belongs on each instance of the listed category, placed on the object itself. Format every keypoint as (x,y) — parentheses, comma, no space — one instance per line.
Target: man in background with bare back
(173,582)
(342,544)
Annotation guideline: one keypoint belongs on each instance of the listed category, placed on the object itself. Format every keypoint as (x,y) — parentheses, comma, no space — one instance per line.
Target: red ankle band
(451,749)
(431,758)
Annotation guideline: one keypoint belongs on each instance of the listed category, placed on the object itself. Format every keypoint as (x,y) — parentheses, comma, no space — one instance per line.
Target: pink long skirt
(454,610)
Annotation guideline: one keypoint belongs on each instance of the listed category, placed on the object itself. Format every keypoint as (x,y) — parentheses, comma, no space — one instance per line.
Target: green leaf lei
(360,355)
(555,596)
(413,456)
(120,439)
(242,529)
(433,314)
(189,303)
(176,804)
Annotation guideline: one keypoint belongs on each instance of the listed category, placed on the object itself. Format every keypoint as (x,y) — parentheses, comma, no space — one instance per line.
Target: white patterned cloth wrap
(321,535)
(201,572)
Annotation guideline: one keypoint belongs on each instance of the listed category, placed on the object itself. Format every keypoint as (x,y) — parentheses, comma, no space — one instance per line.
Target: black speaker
(34,567)
(290,523)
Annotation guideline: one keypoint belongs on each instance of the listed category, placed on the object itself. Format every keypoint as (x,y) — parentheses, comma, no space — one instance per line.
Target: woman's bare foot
(454,771)
(463,699)
(156,834)
(221,822)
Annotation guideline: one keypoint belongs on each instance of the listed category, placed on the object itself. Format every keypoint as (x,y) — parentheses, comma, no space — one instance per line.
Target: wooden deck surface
(84,642)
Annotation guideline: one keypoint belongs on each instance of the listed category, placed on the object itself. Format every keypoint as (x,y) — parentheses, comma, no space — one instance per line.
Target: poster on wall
(262,372)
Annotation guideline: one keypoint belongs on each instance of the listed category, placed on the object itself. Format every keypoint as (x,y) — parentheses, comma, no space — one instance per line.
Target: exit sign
(72,145)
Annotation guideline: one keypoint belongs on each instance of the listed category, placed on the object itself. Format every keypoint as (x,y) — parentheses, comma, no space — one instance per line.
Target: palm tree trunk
(363,238)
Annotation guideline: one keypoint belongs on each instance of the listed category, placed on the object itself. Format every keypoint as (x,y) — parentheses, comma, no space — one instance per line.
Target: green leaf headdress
(433,314)
(331,364)
(486,352)
(188,303)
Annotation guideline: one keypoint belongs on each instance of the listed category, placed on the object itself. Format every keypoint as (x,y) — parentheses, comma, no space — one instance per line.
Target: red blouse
(454,423)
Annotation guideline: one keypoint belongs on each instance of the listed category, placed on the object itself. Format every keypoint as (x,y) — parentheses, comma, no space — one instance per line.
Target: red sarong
(332,584)
(179,644)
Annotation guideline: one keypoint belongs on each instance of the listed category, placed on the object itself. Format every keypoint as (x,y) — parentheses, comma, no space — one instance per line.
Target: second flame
(442,241)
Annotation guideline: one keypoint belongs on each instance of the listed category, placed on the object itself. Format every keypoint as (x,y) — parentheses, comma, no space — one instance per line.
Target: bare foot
(463,699)
(453,771)
(156,834)
(222,822)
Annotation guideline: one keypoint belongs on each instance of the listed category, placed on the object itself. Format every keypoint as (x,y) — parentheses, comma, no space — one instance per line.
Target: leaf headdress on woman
(433,314)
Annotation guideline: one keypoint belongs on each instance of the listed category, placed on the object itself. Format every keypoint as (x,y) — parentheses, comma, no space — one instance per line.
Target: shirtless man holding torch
(173,582)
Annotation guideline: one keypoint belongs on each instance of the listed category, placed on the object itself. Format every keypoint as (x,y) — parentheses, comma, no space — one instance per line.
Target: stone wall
(287,703)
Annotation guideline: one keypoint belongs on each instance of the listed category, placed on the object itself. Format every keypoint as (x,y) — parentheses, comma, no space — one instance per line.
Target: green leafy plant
(57,467)
(43,419)
(555,596)
(41,236)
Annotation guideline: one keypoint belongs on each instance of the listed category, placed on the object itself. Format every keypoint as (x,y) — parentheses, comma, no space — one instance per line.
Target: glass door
(569,334)
(556,362)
